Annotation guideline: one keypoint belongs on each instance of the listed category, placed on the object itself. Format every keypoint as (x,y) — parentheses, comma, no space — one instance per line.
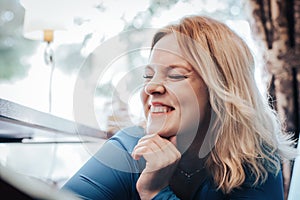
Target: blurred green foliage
(14,48)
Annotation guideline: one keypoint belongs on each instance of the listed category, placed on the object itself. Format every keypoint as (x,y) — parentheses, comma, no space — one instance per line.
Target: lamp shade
(44,18)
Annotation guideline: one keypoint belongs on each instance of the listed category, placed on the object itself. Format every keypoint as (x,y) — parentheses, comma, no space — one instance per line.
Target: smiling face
(175,98)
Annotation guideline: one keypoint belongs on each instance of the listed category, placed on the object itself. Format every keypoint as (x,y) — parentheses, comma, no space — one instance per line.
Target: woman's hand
(161,160)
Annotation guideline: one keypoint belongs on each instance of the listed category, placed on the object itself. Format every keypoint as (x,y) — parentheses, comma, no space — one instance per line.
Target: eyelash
(147,76)
(169,76)
(177,76)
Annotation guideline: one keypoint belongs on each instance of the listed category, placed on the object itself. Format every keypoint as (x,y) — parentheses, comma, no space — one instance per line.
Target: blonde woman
(209,133)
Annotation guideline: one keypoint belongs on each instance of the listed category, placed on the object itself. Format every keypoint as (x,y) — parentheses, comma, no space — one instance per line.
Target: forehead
(169,44)
(166,52)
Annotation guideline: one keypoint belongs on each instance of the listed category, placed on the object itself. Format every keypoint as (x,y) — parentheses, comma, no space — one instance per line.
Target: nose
(152,88)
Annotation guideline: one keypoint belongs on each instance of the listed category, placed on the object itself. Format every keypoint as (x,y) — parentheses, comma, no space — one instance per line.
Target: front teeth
(159,109)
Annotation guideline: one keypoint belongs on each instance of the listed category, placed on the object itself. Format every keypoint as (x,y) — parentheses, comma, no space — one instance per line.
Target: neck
(190,159)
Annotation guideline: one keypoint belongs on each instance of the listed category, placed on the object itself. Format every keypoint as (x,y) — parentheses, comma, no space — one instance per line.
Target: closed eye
(147,76)
(177,76)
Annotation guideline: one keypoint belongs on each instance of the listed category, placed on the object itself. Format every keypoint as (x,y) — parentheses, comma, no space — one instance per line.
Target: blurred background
(25,72)
(24,76)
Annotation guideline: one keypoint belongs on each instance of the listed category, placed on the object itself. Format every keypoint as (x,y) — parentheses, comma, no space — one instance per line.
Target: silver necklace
(189,175)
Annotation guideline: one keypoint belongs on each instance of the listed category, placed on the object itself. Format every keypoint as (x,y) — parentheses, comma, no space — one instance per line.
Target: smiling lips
(156,111)
(158,108)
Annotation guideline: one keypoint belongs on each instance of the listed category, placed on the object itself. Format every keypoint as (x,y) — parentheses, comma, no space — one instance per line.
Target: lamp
(42,20)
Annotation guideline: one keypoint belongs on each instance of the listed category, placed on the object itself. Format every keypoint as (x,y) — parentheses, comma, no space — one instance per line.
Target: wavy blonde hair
(248,131)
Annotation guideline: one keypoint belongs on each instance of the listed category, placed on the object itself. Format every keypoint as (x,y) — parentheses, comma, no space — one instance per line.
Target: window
(80,53)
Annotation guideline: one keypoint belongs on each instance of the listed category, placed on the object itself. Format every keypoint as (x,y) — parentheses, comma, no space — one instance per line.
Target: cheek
(187,100)
(144,98)
(190,109)
(192,101)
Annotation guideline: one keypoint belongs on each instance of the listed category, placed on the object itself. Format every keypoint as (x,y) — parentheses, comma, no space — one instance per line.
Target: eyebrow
(188,68)
(172,66)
